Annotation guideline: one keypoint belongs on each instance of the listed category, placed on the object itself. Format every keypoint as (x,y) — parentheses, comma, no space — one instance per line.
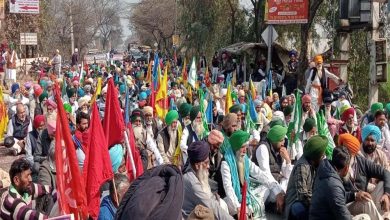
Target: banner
(287,12)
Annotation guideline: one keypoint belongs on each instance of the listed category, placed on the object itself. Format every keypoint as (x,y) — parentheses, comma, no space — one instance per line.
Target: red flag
(136,156)
(113,124)
(97,165)
(70,185)
(243,203)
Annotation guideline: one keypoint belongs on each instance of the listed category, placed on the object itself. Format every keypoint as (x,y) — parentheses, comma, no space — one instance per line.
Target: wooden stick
(115,192)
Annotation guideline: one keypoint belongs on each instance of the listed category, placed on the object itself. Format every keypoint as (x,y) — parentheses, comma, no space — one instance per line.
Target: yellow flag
(149,73)
(3,115)
(178,157)
(98,90)
(252,89)
(189,93)
(229,100)
(161,103)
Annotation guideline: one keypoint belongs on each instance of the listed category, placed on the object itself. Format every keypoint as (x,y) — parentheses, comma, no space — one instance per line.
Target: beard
(203,176)
(239,123)
(139,134)
(198,128)
(187,122)
(148,122)
(369,149)
(240,166)
(172,132)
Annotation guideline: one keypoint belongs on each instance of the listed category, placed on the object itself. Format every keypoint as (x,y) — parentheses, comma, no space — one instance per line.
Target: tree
(154,19)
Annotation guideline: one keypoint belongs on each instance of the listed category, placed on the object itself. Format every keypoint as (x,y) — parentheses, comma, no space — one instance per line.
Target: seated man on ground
(21,196)
(238,171)
(299,189)
(197,190)
(328,201)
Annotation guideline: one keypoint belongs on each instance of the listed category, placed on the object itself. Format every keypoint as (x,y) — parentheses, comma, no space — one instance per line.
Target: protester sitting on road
(20,200)
(110,203)
(18,127)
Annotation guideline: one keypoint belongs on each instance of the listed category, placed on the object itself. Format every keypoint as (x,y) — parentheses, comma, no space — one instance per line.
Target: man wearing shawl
(237,169)
(349,125)
(192,132)
(317,82)
(361,170)
(299,189)
(196,183)
(168,138)
(272,156)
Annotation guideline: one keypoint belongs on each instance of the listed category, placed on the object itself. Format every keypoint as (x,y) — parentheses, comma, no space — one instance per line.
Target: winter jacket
(329,197)
(365,170)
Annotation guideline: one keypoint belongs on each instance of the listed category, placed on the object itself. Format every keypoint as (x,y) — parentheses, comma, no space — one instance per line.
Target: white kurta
(263,187)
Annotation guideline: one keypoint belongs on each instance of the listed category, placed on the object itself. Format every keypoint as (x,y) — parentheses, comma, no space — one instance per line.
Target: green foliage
(359,68)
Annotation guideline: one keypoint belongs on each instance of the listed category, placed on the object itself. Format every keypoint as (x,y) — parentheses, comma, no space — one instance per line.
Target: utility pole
(373,36)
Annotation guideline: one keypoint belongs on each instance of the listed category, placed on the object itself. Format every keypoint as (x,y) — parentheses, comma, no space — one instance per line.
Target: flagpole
(130,153)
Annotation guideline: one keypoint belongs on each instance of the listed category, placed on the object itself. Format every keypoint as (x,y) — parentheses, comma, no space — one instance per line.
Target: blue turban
(147,92)
(143,96)
(116,156)
(80,93)
(371,130)
(122,89)
(14,87)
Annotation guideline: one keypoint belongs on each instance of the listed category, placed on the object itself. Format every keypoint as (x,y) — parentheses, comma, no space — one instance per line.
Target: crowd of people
(219,150)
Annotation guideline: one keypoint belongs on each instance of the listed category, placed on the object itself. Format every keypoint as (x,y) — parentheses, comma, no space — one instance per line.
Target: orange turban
(318,59)
(351,142)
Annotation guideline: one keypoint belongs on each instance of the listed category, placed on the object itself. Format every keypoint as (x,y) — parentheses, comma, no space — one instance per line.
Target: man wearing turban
(229,124)
(380,121)
(192,132)
(349,125)
(364,197)
(272,156)
(32,141)
(196,183)
(168,138)
(238,170)
(317,82)
(300,184)
(150,155)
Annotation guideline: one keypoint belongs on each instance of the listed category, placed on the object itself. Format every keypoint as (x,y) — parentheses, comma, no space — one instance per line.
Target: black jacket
(157,194)
(366,170)
(329,197)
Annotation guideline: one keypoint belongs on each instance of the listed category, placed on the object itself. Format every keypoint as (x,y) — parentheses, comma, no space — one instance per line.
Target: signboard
(2,9)
(100,58)
(117,57)
(265,35)
(24,6)
(28,39)
(287,11)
